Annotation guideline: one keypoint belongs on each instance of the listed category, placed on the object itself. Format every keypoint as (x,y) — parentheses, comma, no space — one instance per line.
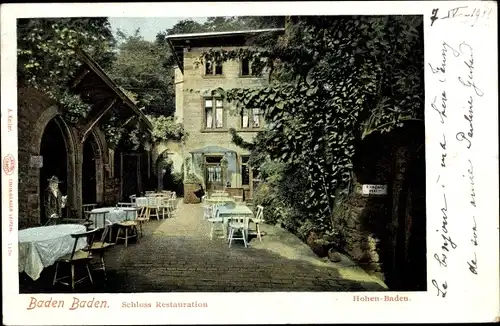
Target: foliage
(47,50)
(222,24)
(165,128)
(113,131)
(190,177)
(335,81)
(140,69)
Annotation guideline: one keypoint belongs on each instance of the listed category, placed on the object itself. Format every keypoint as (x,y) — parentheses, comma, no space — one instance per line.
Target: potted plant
(192,185)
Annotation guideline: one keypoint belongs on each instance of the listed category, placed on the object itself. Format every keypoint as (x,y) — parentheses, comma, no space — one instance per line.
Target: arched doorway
(54,150)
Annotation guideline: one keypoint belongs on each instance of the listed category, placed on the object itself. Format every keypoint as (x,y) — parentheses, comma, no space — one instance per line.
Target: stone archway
(51,127)
(92,169)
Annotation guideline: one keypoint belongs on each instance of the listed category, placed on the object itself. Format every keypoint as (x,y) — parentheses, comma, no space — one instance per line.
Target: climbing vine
(334,81)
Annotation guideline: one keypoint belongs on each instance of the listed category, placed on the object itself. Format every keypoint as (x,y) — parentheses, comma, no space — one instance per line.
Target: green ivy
(166,128)
(333,82)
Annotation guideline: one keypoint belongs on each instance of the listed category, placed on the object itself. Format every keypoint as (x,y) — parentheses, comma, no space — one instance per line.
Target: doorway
(54,151)
(130,175)
(214,179)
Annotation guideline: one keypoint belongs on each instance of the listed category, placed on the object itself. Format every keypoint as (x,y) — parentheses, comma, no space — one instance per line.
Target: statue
(54,201)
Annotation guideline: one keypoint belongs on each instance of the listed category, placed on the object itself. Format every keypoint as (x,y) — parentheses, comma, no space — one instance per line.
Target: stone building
(78,154)
(209,151)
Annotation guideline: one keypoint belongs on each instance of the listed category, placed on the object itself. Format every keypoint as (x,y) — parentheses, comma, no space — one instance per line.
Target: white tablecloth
(151,201)
(227,211)
(114,215)
(41,246)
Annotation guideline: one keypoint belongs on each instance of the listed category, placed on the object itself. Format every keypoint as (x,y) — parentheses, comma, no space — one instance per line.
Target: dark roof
(126,107)
(178,42)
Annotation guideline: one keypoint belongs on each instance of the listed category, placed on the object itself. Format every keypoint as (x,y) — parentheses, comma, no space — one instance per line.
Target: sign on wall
(36,162)
(374,190)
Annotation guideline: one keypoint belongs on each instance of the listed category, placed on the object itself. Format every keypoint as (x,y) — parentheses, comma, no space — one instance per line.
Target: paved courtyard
(176,254)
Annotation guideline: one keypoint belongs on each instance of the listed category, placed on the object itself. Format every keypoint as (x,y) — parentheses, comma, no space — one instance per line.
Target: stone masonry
(191,88)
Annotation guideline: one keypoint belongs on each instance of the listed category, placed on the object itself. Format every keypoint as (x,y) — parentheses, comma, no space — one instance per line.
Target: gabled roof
(133,109)
(178,42)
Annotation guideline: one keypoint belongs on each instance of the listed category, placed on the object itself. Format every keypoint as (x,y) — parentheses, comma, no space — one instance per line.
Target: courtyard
(177,255)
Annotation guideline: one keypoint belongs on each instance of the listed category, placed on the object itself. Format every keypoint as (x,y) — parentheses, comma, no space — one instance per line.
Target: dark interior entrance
(54,151)
(131,177)
(89,183)
(411,261)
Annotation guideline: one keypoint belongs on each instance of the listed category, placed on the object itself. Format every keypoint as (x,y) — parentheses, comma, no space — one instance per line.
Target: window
(245,67)
(245,171)
(209,68)
(251,118)
(214,113)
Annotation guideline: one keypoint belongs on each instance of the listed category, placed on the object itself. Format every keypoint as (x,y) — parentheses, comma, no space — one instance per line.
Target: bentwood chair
(76,258)
(128,228)
(100,247)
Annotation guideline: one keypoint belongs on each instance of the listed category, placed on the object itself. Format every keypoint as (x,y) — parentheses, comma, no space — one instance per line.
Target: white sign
(369,190)
(36,162)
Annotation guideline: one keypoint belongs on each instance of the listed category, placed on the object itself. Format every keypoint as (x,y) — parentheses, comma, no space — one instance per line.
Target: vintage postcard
(249,163)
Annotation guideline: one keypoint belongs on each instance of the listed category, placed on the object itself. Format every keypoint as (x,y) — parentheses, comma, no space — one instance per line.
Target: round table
(41,246)
(113,215)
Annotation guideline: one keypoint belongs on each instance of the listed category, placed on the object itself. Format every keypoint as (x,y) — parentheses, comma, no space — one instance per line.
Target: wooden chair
(214,220)
(77,258)
(238,224)
(258,219)
(152,208)
(142,218)
(132,198)
(100,247)
(127,230)
(87,208)
(98,220)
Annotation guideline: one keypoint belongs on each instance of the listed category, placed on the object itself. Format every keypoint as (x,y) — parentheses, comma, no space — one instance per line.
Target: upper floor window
(214,113)
(251,118)
(246,68)
(213,69)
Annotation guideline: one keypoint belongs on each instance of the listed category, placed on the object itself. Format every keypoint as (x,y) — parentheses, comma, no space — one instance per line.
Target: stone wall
(31,106)
(370,225)
(34,112)
(112,190)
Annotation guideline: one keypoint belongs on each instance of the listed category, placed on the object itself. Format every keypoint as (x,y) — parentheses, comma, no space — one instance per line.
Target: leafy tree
(139,68)
(47,59)
(334,81)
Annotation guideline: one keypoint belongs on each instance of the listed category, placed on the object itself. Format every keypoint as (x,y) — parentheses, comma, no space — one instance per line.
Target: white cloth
(114,215)
(227,211)
(41,246)
(141,201)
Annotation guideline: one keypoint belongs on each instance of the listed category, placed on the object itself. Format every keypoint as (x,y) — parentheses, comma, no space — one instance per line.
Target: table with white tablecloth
(41,246)
(113,215)
(234,210)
